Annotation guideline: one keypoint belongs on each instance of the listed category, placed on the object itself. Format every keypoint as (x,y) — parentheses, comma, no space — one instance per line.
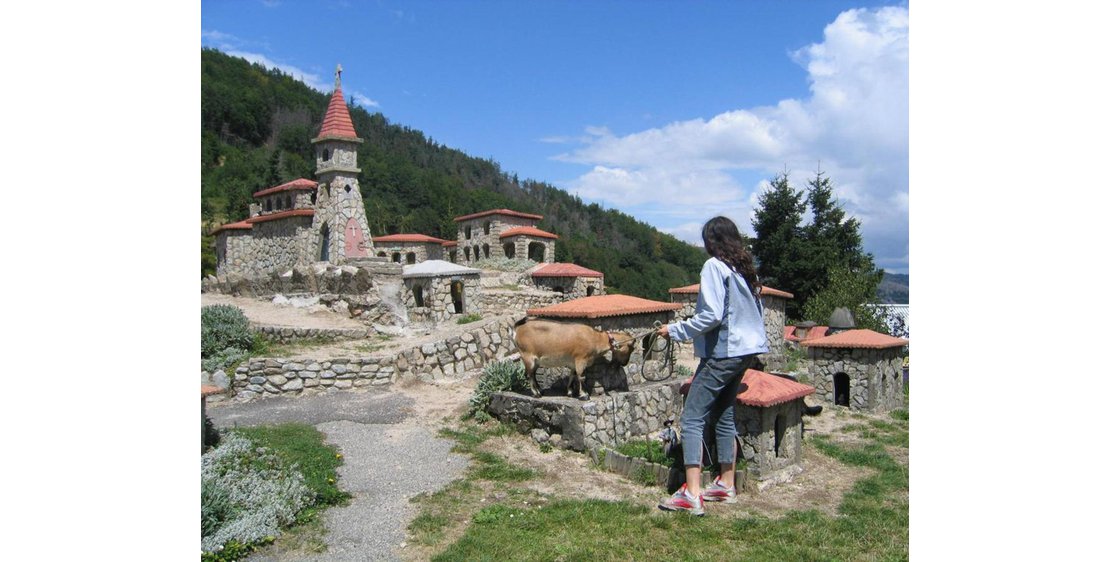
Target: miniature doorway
(841,390)
(510,250)
(325,243)
(457,296)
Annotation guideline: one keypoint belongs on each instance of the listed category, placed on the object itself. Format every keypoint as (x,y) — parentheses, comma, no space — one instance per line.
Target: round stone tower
(339,223)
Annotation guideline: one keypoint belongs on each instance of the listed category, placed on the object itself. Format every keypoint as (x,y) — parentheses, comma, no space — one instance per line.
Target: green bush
(223,326)
(224,359)
(496,377)
(683,372)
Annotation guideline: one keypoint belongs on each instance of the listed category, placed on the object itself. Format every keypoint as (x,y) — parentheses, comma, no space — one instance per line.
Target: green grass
(468,318)
(872,521)
(303,445)
(647,449)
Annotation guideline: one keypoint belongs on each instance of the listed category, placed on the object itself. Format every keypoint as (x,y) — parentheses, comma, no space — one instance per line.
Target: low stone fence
(602,421)
(636,469)
(451,358)
(285,334)
(494,301)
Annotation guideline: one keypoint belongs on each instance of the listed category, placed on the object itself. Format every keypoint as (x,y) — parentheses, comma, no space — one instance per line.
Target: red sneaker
(717,492)
(680,501)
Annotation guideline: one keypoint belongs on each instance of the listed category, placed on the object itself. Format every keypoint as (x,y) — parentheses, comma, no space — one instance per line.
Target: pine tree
(777,226)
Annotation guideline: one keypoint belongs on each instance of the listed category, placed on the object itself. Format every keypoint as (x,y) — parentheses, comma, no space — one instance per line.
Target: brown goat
(544,343)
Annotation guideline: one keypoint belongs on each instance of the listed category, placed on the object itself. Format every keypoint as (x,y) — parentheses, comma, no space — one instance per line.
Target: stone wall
(285,334)
(437,297)
(599,422)
(570,287)
(774,321)
(507,301)
(268,246)
(233,251)
(397,252)
(689,303)
(874,376)
(487,342)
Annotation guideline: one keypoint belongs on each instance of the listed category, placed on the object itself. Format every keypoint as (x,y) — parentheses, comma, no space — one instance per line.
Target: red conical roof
(337,120)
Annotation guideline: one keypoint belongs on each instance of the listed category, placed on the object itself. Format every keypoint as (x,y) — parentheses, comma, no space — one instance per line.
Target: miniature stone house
(503,233)
(304,221)
(861,369)
(573,281)
(635,403)
(409,248)
(436,291)
(451,251)
(768,425)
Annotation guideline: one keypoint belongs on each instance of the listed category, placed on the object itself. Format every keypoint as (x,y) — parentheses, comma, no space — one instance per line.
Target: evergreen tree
(799,258)
(777,244)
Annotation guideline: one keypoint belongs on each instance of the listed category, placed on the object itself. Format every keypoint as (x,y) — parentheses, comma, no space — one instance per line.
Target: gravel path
(389,457)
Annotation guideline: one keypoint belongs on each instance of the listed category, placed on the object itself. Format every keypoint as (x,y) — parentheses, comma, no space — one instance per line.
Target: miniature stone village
(310,238)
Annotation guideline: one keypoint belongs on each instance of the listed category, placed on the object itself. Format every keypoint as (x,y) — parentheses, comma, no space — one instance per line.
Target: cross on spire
(338,71)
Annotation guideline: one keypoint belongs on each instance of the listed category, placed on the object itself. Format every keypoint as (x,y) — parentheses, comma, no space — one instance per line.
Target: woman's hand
(663,332)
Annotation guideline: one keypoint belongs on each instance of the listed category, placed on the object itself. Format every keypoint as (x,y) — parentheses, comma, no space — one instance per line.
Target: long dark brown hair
(723,241)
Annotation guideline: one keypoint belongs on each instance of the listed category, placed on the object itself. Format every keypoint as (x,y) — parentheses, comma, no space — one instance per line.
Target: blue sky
(671,112)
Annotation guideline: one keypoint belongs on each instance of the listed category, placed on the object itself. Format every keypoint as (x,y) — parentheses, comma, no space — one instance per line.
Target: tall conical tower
(339,223)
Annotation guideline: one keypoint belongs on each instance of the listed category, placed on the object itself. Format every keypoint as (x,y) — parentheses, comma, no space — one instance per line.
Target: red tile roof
(499,212)
(241,225)
(409,238)
(603,306)
(209,390)
(764,389)
(337,120)
(864,339)
(282,215)
(767,291)
(450,243)
(528,231)
(689,289)
(565,270)
(295,184)
(814,333)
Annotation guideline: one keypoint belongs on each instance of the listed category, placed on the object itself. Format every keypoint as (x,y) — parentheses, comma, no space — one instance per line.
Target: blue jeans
(712,395)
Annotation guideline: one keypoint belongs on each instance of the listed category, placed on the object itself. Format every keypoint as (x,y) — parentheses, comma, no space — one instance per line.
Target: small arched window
(269,205)
(485,227)
(324,155)
(468,233)
(467,252)
(381,254)
(485,251)
(347,188)
(410,258)
(396,257)
(313,198)
(288,201)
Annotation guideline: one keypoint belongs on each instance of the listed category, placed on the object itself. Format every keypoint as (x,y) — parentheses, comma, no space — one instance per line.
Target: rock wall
(874,376)
(505,301)
(449,359)
(285,334)
(599,422)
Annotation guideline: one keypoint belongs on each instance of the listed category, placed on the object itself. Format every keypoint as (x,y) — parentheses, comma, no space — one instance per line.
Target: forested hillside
(256,127)
(895,288)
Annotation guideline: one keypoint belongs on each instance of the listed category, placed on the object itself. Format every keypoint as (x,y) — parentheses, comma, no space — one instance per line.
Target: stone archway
(325,243)
(510,250)
(536,251)
(457,298)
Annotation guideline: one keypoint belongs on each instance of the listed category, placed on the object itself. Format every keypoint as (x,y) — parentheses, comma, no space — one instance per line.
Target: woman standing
(728,332)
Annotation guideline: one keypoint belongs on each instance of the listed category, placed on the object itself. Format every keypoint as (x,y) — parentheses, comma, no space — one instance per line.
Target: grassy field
(489,515)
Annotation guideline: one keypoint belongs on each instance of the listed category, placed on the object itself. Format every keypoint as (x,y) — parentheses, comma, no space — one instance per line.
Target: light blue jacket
(718,329)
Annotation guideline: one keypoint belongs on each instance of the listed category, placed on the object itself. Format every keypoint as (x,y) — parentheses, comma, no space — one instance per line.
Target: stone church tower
(339,223)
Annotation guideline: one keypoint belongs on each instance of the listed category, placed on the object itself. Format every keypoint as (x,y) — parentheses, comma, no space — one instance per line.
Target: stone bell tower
(340,230)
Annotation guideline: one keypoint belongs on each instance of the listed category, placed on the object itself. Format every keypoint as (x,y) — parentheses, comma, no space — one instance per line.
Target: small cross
(338,71)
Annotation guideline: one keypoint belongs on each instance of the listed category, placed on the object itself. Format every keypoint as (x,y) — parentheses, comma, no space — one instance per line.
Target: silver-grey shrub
(248,493)
(503,375)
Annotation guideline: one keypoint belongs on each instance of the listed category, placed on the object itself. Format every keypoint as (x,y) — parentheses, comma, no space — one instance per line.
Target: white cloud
(854,122)
(310,79)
